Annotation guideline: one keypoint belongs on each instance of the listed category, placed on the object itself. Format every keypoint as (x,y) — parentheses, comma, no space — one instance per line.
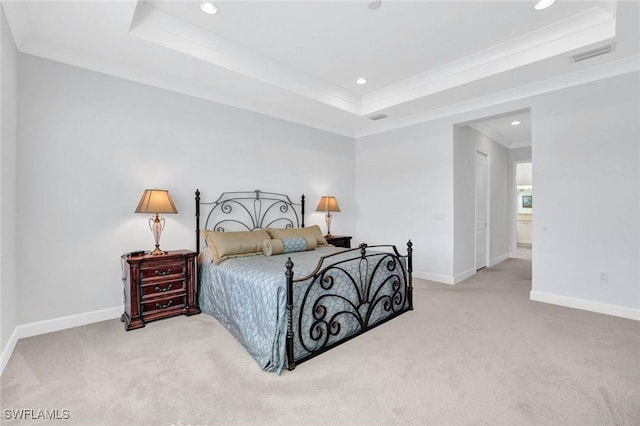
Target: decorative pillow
(231,244)
(288,245)
(310,232)
(205,256)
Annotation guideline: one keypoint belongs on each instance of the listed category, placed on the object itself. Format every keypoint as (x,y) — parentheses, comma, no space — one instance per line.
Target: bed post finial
(197,221)
(289,337)
(363,250)
(410,271)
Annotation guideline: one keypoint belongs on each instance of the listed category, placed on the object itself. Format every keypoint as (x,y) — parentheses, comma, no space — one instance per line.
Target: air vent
(377,117)
(592,53)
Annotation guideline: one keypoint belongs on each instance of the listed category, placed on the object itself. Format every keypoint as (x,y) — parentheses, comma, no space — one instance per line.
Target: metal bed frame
(249,210)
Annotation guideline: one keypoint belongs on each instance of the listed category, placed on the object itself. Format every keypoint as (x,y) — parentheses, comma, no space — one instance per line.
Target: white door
(481,210)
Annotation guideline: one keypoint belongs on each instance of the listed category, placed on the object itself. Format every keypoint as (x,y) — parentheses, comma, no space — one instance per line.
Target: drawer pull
(167,272)
(166,305)
(158,288)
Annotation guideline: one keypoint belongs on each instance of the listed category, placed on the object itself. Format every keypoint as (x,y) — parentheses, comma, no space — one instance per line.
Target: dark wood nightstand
(158,287)
(339,241)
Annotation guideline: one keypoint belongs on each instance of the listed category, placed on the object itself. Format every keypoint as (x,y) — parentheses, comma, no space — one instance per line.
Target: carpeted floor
(479,353)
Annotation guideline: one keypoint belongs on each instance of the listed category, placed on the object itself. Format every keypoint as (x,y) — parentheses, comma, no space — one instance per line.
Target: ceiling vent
(592,53)
(377,117)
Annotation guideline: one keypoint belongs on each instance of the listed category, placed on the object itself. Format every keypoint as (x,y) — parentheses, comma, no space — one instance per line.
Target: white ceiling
(298,60)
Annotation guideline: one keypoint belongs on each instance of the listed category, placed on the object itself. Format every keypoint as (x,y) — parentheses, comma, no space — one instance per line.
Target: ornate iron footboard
(371,287)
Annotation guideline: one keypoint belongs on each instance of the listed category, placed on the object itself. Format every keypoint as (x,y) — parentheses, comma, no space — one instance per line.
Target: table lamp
(156,201)
(328,204)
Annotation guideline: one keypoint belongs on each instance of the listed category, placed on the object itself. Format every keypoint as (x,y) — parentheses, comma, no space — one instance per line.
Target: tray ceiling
(299,60)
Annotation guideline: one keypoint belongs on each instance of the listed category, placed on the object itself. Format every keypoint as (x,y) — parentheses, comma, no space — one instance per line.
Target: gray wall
(586,166)
(586,171)
(466,141)
(90,144)
(8,142)
(404,190)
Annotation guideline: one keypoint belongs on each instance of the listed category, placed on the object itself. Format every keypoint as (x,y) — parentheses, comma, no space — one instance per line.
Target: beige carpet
(479,353)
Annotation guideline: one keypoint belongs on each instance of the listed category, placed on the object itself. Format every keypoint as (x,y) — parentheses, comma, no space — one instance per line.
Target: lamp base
(328,236)
(157,251)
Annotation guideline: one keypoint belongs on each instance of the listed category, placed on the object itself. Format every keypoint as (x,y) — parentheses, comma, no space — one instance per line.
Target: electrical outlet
(604,277)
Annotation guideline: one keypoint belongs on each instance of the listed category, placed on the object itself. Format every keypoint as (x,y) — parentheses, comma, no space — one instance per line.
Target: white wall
(404,190)
(466,141)
(464,246)
(520,154)
(90,144)
(586,169)
(586,164)
(8,141)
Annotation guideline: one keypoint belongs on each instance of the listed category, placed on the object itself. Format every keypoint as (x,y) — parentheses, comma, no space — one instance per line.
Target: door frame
(487,248)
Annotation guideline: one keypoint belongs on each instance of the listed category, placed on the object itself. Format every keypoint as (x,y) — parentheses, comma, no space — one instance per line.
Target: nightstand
(339,241)
(158,286)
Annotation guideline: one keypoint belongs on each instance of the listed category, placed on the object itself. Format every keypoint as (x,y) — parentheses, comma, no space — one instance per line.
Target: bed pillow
(231,244)
(310,232)
(288,245)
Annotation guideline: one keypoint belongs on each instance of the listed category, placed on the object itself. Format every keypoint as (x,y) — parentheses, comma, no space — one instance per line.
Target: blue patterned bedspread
(248,296)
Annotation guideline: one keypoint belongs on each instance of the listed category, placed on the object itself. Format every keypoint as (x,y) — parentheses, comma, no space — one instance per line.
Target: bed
(280,290)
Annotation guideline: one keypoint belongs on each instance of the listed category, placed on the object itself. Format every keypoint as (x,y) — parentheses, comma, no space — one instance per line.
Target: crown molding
(588,75)
(589,27)
(491,134)
(158,27)
(296,97)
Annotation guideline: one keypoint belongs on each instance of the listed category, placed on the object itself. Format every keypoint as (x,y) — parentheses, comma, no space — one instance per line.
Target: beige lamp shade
(328,204)
(156,201)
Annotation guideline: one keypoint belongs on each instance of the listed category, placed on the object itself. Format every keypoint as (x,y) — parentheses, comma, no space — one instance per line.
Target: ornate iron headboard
(249,210)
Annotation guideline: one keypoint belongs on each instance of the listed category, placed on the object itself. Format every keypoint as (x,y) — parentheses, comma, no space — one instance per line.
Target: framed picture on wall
(527,201)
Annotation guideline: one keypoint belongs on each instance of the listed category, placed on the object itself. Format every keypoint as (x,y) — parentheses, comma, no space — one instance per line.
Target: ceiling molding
(161,28)
(145,44)
(156,26)
(607,70)
(491,134)
(581,30)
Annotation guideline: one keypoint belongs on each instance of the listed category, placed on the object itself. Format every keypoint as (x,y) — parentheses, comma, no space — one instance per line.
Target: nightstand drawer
(163,304)
(162,288)
(158,286)
(165,271)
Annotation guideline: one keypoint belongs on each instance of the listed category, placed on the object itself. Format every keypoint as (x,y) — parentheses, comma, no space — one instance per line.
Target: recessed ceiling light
(543,4)
(361,81)
(515,123)
(208,8)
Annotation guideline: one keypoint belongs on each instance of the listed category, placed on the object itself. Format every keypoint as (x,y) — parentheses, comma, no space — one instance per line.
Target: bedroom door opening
(523,209)
(482,209)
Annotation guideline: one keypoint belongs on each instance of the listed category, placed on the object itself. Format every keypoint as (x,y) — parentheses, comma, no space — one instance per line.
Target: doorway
(524,209)
(482,209)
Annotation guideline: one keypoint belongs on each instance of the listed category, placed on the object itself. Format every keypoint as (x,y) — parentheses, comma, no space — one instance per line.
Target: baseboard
(464,275)
(443,279)
(55,324)
(448,279)
(496,260)
(8,350)
(586,305)
(70,321)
